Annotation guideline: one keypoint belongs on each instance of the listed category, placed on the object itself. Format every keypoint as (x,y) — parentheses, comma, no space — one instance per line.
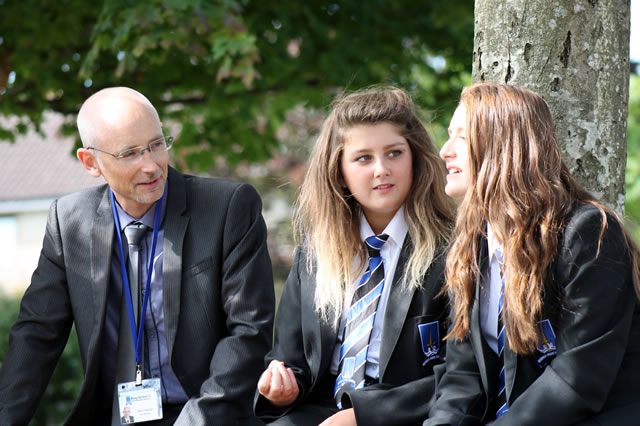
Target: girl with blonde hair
(359,325)
(544,278)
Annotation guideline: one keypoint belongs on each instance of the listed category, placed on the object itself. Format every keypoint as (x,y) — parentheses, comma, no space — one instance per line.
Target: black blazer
(594,375)
(218,301)
(306,345)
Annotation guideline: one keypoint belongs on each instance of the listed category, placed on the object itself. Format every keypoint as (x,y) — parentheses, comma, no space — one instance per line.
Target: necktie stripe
(503,406)
(366,300)
(359,324)
(363,330)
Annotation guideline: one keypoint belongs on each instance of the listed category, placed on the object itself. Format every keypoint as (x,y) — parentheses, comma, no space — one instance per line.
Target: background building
(34,171)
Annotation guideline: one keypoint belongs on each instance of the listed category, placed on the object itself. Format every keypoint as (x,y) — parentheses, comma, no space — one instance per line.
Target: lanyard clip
(138,375)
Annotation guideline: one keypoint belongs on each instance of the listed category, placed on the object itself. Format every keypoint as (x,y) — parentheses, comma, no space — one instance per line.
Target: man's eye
(130,154)
(156,146)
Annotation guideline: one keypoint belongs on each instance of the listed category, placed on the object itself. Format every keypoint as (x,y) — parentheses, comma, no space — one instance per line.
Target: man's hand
(278,384)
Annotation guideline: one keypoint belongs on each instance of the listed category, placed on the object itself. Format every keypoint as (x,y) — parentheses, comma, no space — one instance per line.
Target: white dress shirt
(490,293)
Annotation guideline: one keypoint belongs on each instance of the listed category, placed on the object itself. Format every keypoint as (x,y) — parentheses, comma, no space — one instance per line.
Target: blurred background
(243,85)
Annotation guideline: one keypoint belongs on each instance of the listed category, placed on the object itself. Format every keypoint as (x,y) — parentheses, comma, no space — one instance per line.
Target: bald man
(206,307)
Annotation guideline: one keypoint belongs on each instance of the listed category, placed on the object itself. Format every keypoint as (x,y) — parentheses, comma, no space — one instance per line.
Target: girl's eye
(363,158)
(395,153)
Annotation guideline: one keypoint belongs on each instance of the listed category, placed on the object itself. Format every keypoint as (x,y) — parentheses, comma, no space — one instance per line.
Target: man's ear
(89,162)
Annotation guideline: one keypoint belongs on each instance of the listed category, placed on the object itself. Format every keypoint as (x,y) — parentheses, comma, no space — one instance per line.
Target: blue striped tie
(360,317)
(503,407)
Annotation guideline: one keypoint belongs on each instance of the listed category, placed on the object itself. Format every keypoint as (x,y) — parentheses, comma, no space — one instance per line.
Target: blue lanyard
(137,337)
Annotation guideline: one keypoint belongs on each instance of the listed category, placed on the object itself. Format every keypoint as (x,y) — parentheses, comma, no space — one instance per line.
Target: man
(126,416)
(208,318)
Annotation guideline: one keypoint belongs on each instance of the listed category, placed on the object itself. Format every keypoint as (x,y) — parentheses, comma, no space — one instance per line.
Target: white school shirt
(490,294)
(390,253)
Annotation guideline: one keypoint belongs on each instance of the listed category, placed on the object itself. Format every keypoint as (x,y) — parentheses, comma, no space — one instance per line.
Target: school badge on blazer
(430,339)
(547,343)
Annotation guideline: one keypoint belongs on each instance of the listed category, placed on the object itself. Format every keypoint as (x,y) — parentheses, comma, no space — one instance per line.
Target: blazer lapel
(175,227)
(510,368)
(397,308)
(476,338)
(101,251)
(323,335)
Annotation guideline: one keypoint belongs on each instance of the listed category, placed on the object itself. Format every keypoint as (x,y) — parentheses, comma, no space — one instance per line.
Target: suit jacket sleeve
(248,302)
(592,334)
(382,403)
(40,333)
(289,341)
(460,397)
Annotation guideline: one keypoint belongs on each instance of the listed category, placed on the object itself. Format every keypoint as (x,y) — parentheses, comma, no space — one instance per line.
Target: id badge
(141,403)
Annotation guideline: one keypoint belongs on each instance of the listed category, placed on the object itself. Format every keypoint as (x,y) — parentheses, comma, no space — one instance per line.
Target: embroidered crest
(430,339)
(547,343)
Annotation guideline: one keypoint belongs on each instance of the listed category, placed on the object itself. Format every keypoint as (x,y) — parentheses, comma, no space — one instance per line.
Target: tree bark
(575,54)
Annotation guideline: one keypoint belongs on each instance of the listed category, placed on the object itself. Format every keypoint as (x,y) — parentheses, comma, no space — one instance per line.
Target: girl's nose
(381,168)
(446,151)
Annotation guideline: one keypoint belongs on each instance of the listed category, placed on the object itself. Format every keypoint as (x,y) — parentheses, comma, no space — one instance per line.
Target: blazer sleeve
(382,403)
(593,331)
(460,398)
(248,301)
(40,333)
(289,341)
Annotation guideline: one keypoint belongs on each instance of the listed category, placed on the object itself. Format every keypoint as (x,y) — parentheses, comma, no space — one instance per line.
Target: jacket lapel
(476,338)
(397,308)
(101,254)
(324,335)
(175,227)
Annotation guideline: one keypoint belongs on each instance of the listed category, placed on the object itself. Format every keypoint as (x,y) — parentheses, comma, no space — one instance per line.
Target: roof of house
(37,167)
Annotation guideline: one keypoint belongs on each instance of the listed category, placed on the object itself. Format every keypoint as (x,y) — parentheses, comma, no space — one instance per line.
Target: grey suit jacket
(218,301)
(594,376)
(306,344)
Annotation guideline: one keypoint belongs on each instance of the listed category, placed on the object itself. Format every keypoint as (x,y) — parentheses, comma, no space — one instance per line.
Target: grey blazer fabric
(306,345)
(218,301)
(594,378)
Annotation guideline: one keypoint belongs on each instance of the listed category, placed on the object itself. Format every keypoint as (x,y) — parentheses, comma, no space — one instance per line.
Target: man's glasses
(157,146)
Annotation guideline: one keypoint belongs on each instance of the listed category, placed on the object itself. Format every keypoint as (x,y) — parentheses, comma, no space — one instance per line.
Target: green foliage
(227,71)
(632,176)
(66,380)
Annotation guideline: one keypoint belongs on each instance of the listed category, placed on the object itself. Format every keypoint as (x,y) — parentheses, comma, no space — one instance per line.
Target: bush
(66,380)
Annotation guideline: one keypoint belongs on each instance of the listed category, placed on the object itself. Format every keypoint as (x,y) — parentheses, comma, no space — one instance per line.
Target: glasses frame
(168,140)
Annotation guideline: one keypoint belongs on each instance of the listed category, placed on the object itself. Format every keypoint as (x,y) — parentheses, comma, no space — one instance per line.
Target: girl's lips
(453,170)
(383,187)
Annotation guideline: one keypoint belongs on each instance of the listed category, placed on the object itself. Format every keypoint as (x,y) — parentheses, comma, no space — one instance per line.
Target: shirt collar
(396,229)
(492,243)
(148,218)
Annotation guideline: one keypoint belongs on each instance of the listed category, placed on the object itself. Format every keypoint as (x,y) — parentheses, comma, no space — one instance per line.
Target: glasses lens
(130,154)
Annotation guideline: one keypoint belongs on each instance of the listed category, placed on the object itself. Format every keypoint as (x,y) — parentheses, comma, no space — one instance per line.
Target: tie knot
(134,232)
(375,243)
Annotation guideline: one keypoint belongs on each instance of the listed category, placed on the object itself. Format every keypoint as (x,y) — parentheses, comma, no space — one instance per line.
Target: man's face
(137,183)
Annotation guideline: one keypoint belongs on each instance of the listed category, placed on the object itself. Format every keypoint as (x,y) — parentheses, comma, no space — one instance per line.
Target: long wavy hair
(521,187)
(327,219)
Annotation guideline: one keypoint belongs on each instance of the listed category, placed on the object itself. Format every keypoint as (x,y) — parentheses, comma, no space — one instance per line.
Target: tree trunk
(575,54)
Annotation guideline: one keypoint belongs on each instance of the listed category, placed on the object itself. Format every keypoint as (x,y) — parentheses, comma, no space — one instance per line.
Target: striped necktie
(359,323)
(503,407)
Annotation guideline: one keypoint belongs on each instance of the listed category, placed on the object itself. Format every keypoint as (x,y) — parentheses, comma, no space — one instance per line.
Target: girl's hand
(278,384)
(345,417)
